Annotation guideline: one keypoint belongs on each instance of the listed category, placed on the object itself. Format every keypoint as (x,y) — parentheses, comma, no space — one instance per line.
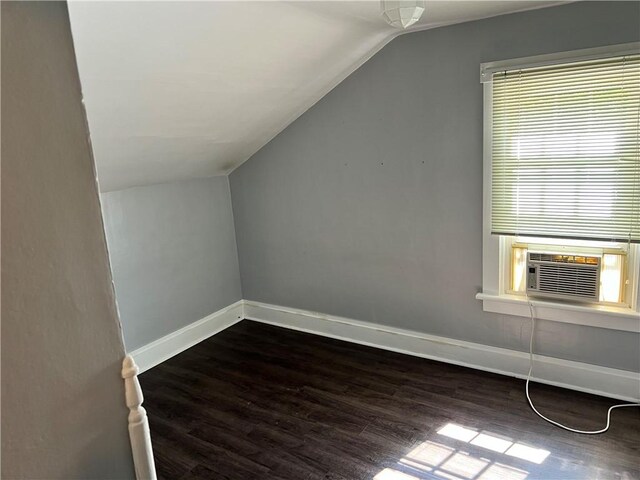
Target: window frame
(495,248)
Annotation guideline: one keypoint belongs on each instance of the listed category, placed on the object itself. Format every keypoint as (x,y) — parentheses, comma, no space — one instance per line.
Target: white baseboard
(609,382)
(166,347)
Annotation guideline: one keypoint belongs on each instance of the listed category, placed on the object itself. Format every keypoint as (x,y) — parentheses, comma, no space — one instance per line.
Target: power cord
(553,422)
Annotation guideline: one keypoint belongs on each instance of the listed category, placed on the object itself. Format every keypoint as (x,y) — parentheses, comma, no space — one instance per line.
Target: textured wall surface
(369,206)
(63,404)
(173,254)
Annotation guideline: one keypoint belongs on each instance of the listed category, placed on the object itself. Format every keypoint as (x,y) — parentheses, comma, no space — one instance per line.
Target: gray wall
(173,254)
(369,205)
(63,404)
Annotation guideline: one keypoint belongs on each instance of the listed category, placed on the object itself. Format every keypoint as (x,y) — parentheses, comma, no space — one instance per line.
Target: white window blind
(565,151)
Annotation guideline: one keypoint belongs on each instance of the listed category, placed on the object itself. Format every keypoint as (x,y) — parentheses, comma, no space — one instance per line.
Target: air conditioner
(562,276)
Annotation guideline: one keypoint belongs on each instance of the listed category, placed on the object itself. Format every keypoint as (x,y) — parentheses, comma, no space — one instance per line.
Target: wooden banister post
(139,433)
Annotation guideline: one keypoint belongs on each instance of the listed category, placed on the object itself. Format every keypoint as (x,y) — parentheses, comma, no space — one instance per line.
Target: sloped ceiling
(176,90)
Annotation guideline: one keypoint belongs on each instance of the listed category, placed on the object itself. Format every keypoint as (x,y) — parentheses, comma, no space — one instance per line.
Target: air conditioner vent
(563,258)
(572,277)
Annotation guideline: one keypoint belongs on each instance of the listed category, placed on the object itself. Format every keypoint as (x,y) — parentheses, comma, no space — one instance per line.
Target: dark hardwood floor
(261,402)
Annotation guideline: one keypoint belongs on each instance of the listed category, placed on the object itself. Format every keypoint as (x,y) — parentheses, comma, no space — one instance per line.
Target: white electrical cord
(553,422)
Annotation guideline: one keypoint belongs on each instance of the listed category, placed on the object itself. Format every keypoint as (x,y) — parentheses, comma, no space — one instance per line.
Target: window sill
(614,318)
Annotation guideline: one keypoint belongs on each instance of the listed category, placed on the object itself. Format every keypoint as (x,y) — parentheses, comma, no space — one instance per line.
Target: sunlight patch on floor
(494,442)
(502,472)
(435,460)
(491,442)
(390,474)
(535,455)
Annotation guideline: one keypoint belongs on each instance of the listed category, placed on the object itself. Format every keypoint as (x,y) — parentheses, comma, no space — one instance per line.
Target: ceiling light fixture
(402,13)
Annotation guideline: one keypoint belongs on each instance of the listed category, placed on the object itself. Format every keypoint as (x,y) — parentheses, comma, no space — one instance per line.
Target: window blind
(565,151)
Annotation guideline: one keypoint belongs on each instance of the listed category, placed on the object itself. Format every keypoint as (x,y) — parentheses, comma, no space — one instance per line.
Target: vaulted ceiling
(176,90)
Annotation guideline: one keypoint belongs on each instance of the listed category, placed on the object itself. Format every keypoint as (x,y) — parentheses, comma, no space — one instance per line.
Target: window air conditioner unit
(562,276)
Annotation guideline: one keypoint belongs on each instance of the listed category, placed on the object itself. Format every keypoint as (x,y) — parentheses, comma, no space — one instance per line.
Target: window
(562,179)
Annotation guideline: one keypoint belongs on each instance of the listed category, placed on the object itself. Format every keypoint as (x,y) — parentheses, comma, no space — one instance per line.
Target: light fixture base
(402,13)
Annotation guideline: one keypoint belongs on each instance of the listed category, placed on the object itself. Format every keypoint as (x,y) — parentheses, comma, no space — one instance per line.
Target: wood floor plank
(261,402)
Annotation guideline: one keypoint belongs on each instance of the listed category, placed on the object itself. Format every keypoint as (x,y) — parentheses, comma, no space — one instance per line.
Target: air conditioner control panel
(532,277)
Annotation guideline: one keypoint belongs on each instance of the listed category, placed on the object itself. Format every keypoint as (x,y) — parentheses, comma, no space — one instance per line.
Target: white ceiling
(176,90)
